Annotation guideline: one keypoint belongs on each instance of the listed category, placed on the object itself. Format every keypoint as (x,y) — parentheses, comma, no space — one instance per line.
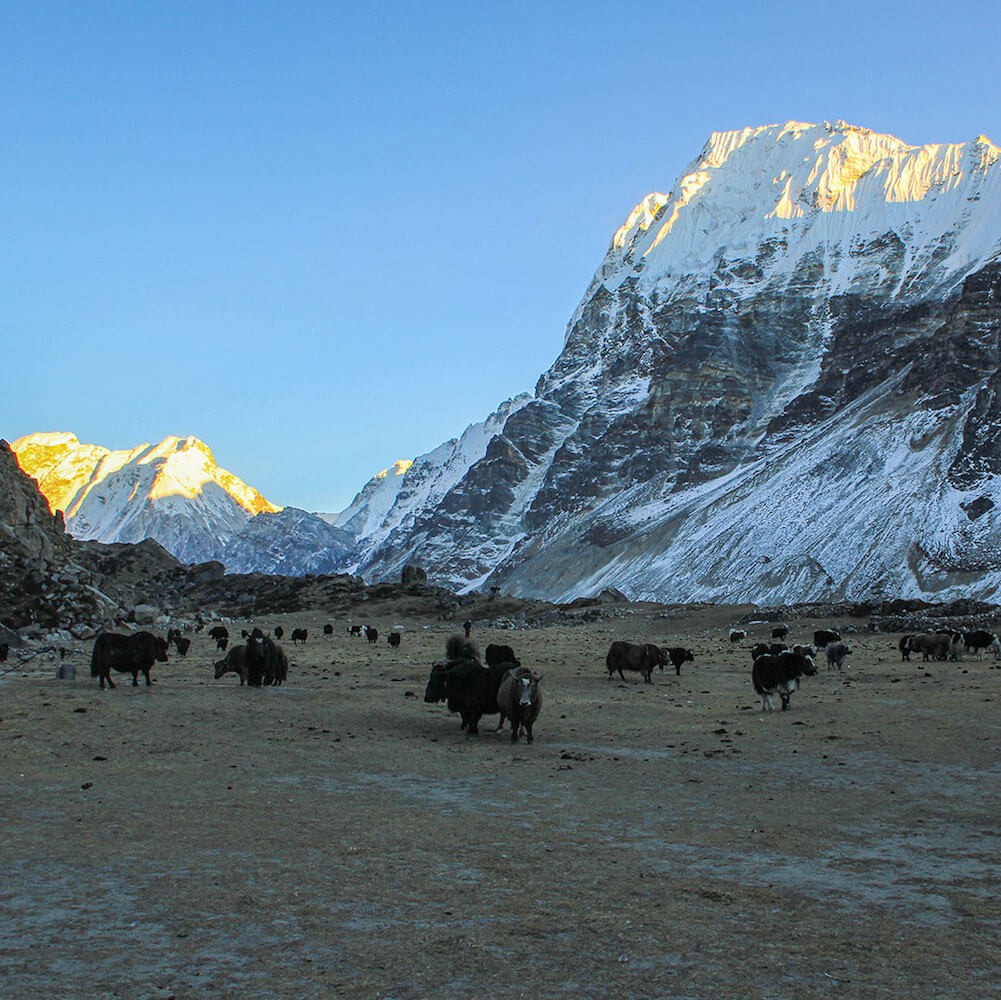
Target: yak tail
(94,671)
(459,648)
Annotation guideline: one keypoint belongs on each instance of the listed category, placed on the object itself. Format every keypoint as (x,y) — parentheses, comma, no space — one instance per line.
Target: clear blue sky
(324,236)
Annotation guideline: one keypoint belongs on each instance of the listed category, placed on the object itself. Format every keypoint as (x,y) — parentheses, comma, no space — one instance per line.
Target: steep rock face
(27,526)
(782,384)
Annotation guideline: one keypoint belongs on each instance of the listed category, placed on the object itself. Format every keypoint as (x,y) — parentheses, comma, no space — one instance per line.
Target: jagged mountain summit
(173,492)
(782,384)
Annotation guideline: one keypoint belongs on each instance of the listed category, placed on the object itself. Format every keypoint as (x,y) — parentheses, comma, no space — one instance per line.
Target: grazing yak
(979,641)
(354,630)
(372,634)
(905,647)
(221,635)
(779,673)
(298,635)
(328,629)
(519,697)
(825,635)
(678,655)
(780,631)
(836,653)
(394,639)
(495,653)
(632,656)
(279,632)
(234,662)
(930,646)
(127,654)
(737,635)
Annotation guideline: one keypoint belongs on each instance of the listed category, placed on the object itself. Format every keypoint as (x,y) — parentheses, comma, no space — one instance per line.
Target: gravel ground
(340,837)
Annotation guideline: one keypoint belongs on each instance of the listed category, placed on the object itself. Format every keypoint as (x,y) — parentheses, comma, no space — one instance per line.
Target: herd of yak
(777,669)
(501,685)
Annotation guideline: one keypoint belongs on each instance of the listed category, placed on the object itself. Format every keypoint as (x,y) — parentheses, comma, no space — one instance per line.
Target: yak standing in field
(979,641)
(234,662)
(126,654)
(266,661)
(178,641)
(221,635)
(679,655)
(825,635)
(779,673)
(836,653)
(641,658)
(519,697)
(465,685)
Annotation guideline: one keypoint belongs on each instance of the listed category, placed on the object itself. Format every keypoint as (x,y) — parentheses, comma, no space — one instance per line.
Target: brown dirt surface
(340,837)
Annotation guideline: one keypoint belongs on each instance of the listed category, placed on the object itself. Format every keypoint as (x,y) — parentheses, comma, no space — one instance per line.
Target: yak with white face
(520,699)
(779,674)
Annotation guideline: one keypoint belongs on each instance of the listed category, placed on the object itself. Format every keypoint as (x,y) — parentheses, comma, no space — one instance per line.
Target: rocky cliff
(50,580)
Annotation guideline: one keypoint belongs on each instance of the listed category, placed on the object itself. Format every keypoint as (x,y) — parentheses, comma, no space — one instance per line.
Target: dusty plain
(338,837)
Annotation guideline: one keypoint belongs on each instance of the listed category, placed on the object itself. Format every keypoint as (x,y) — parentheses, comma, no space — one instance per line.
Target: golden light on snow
(163,487)
(795,171)
(397,469)
(67,471)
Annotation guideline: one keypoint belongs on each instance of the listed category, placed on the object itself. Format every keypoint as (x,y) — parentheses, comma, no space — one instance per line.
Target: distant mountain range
(175,493)
(783,384)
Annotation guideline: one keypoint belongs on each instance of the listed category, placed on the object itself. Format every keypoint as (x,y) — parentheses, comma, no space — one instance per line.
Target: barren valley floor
(340,837)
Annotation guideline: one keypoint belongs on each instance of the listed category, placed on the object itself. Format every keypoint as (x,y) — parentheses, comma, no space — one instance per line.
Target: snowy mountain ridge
(810,312)
(172,491)
(782,384)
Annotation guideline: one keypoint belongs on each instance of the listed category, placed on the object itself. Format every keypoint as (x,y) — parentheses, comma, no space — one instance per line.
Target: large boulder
(145,614)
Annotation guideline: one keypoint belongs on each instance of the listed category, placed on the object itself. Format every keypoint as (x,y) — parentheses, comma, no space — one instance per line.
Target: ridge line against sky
(324,236)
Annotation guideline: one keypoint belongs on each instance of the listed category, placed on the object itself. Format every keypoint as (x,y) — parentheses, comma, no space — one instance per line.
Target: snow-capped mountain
(173,492)
(782,384)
